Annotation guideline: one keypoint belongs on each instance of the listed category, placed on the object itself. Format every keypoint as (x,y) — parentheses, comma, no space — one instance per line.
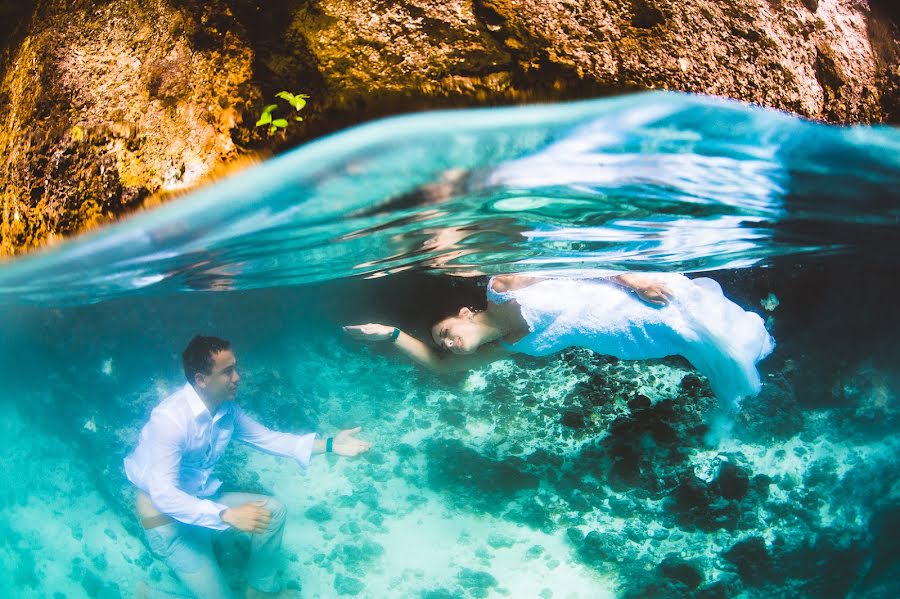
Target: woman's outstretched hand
(345,444)
(369,332)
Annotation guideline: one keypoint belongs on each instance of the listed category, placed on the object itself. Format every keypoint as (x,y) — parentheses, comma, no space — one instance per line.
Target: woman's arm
(651,290)
(503,283)
(424,354)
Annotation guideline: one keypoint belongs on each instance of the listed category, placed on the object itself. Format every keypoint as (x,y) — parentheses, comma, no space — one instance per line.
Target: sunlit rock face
(108,107)
(106,103)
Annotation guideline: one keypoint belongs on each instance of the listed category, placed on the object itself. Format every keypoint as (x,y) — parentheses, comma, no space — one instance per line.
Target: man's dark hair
(198,355)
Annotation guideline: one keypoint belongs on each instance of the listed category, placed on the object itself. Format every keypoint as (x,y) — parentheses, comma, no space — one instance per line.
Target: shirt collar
(198,408)
(196,404)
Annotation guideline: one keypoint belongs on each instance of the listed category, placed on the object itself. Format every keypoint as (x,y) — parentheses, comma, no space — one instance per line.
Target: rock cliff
(108,107)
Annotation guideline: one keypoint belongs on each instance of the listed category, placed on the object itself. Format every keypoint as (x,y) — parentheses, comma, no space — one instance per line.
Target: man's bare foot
(282,594)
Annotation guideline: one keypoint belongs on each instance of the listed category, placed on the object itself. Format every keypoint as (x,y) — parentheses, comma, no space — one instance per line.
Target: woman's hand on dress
(369,332)
(654,292)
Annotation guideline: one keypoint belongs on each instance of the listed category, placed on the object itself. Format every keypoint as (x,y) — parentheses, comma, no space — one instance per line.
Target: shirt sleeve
(249,431)
(165,442)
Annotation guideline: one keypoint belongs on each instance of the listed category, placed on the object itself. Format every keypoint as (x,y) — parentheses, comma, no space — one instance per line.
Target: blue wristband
(329,445)
(394,334)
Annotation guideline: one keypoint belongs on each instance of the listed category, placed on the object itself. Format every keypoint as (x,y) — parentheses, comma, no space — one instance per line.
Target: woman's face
(459,334)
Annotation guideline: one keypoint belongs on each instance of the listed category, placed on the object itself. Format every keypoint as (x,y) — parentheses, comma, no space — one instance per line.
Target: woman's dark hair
(461,293)
(449,312)
(198,355)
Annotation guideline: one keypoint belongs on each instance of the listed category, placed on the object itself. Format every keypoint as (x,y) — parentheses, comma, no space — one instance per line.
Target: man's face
(220,385)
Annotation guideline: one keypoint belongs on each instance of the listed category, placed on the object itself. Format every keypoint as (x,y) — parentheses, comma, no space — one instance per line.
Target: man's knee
(278,511)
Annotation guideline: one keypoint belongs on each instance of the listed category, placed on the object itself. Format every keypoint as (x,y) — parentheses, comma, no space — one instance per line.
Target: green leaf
(298,101)
(266,117)
(298,118)
(280,123)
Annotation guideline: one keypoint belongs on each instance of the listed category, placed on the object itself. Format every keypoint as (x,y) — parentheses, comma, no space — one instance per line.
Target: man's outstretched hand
(249,517)
(347,445)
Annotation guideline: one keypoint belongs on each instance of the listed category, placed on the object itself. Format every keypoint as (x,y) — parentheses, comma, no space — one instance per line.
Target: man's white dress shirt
(181,443)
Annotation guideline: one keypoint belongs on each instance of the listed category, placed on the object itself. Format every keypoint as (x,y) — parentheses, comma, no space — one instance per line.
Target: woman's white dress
(719,338)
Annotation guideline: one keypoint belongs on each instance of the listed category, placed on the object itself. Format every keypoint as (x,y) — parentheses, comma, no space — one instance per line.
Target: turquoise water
(571,476)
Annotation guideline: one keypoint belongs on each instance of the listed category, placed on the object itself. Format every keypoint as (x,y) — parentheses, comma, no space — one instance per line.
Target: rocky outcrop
(108,107)
(107,103)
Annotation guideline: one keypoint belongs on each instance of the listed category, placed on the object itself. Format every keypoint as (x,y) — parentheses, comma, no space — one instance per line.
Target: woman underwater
(630,316)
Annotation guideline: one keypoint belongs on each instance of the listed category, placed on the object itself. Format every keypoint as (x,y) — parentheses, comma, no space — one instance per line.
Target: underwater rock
(753,561)
(645,447)
(474,480)
(318,513)
(732,481)
(108,107)
(573,419)
(575,536)
(697,504)
(531,514)
(498,541)
(454,417)
(358,557)
(600,550)
(684,571)
(676,577)
(347,585)
(773,414)
(824,565)
(693,386)
(477,583)
(868,399)
(883,570)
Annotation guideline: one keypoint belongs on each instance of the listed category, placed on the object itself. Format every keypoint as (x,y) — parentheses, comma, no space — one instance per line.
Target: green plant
(296,101)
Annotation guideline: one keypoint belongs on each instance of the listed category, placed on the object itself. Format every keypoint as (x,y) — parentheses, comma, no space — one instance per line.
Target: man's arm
(248,430)
(299,447)
(164,439)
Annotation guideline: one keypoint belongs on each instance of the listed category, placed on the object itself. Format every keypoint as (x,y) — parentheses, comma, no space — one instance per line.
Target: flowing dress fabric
(718,337)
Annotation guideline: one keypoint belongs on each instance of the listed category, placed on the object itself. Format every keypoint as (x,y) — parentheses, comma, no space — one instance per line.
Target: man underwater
(178,502)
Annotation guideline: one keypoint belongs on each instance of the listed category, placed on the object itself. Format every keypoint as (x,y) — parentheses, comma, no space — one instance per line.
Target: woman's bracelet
(329,445)
(394,334)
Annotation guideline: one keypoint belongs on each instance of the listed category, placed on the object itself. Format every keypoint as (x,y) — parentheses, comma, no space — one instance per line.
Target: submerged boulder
(474,480)
(684,571)
(753,561)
